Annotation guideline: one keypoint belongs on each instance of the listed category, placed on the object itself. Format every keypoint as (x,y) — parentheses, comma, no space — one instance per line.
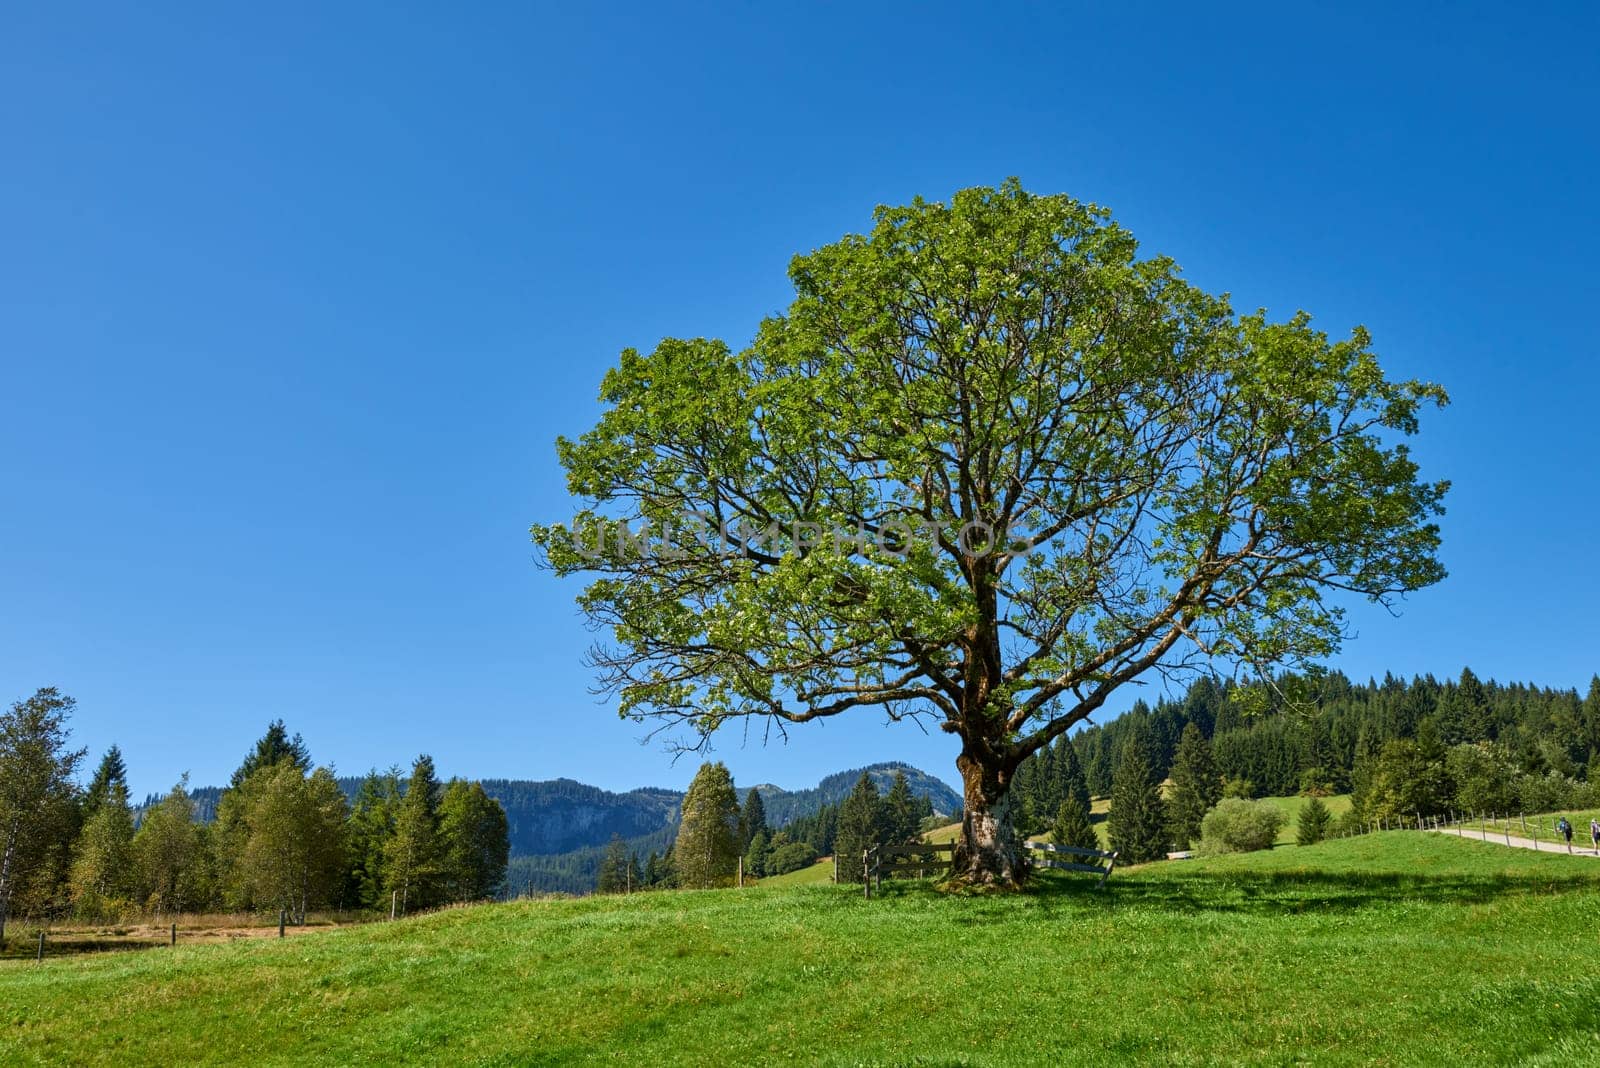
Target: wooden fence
(910,858)
(1540,830)
(921,859)
(1051,851)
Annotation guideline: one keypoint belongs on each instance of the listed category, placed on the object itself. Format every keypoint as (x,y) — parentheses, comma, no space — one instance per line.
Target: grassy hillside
(1338,805)
(1396,948)
(815,875)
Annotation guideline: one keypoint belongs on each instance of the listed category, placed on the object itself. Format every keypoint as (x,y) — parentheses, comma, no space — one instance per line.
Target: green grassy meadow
(813,875)
(1338,805)
(1393,948)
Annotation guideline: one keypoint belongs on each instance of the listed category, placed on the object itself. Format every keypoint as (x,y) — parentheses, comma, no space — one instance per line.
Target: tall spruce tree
(412,859)
(900,820)
(1072,825)
(859,829)
(1025,803)
(1074,780)
(708,849)
(111,773)
(635,880)
(613,874)
(1136,825)
(272,748)
(1073,828)
(1591,719)
(372,821)
(752,819)
(652,870)
(1196,787)
(755,855)
(1319,770)
(1311,826)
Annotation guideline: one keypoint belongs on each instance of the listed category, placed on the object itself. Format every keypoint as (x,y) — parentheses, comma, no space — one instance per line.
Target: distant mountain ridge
(562,815)
(556,817)
(785,805)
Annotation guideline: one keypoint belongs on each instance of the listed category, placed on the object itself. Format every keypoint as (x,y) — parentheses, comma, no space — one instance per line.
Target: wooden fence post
(282,919)
(836,865)
(866,873)
(394,901)
(40,957)
(741,873)
(174,934)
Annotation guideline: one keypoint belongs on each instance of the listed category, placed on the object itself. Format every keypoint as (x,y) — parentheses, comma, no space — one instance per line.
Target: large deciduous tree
(36,791)
(474,837)
(990,467)
(171,856)
(707,851)
(294,856)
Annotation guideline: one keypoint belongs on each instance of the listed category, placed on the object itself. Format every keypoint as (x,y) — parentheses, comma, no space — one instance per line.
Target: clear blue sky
(292,305)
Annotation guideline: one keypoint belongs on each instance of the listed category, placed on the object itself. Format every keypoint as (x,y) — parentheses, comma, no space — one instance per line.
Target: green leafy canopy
(1190,484)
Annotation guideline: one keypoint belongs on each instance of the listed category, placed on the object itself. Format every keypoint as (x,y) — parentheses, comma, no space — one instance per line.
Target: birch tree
(36,770)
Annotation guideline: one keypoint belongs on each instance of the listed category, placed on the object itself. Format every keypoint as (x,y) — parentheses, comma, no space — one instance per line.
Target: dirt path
(1543,845)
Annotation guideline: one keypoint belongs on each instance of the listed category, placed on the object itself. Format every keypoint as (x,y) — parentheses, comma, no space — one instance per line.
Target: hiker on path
(1594,834)
(1566,830)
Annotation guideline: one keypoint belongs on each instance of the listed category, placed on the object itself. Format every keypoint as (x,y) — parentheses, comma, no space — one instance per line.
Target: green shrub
(791,856)
(1549,792)
(1238,788)
(1240,826)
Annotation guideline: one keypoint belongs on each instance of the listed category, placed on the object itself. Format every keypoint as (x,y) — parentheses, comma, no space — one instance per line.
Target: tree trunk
(987,853)
(5,874)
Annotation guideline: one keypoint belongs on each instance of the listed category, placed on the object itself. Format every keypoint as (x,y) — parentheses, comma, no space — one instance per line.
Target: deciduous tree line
(284,838)
(1398,748)
(715,831)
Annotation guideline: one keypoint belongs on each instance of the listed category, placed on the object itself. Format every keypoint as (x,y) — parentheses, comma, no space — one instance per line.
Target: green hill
(1396,948)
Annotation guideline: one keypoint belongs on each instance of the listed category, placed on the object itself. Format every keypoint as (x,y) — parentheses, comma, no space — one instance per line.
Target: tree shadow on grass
(1304,890)
(1256,892)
